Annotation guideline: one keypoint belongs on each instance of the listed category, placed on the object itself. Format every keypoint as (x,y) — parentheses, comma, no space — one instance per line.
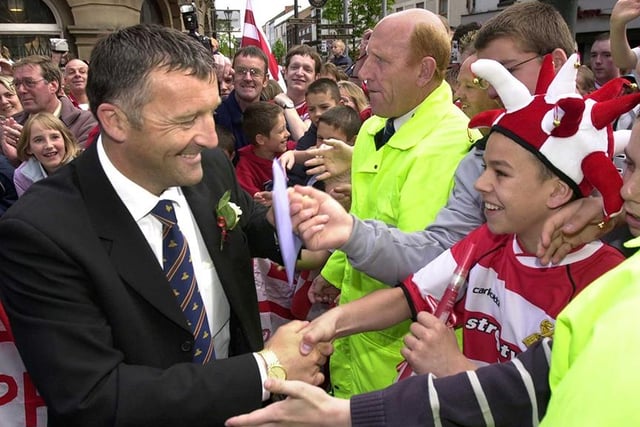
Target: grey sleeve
(390,255)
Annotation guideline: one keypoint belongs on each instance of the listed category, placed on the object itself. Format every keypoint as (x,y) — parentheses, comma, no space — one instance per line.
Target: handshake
(285,355)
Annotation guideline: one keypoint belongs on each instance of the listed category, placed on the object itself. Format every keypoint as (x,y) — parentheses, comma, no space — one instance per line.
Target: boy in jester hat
(543,151)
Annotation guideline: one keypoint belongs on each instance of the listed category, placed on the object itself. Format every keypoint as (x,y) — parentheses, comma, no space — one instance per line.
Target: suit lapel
(129,251)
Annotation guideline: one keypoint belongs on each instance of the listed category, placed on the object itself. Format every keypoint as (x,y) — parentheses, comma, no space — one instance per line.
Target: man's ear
(427,70)
(559,58)
(560,195)
(113,121)
(55,86)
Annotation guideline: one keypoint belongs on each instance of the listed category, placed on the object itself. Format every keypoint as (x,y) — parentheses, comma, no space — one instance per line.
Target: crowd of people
(468,225)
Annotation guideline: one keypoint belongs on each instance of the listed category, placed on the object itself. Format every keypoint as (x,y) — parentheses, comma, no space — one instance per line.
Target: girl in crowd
(45,145)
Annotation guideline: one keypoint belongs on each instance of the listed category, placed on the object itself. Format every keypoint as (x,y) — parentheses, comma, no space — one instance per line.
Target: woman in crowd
(9,102)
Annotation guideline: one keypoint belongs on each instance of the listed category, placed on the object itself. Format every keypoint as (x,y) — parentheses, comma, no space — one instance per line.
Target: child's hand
(323,291)
(263,197)
(342,193)
(287,159)
(431,347)
(330,162)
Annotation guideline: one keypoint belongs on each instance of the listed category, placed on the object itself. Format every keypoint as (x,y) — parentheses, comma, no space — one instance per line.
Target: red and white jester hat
(571,135)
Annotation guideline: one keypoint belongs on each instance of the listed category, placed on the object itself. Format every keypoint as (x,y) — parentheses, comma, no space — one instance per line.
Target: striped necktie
(176,260)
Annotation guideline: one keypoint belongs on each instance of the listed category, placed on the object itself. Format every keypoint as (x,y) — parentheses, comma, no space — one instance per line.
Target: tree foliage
(363,13)
(279,50)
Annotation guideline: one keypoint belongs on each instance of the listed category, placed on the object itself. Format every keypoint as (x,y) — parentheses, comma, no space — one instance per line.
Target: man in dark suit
(81,258)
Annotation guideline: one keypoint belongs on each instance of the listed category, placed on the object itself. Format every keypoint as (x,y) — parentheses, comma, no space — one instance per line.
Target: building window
(504,3)
(26,27)
(443,8)
(420,5)
(399,9)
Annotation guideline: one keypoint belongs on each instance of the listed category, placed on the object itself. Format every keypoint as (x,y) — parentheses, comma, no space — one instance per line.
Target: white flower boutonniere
(228,215)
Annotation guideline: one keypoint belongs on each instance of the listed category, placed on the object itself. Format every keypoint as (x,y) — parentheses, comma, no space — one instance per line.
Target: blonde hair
(7,82)
(356,93)
(48,121)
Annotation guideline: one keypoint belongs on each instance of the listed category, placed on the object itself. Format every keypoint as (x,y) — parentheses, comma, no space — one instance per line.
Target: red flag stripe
(252,36)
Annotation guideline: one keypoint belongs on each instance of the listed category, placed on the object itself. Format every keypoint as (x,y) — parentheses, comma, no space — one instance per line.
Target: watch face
(317,3)
(278,372)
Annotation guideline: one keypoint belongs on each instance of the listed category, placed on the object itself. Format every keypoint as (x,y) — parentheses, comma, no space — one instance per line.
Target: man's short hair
(50,71)
(534,26)
(429,39)
(602,37)
(303,50)
(122,61)
(343,118)
(253,52)
(325,85)
(260,118)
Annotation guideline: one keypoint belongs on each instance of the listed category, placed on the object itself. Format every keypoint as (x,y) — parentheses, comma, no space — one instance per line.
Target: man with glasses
(250,77)
(37,81)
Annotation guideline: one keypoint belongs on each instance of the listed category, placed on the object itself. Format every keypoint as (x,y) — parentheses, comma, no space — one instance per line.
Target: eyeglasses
(28,83)
(254,72)
(483,84)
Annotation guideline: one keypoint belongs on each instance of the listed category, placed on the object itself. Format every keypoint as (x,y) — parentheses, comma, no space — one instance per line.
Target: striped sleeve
(515,393)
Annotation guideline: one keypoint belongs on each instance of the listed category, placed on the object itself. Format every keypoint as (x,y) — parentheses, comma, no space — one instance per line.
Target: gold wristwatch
(274,368)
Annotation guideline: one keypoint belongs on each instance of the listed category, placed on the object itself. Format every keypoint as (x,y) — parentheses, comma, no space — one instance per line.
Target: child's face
(47,145)
(276,142)
(631,189)
(506,51)
(318,103)
(326,131)
(513,192)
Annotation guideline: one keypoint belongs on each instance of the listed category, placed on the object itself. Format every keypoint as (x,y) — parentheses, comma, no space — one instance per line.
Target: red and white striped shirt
(508,293)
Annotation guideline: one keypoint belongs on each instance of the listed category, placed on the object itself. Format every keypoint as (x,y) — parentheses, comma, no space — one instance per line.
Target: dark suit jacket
(95,321)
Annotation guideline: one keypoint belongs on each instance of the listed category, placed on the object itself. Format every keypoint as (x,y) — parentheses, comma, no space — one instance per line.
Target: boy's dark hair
(602,37)
(344,118)
(260,118)
(534,26)
(226,140)
(325,85)
(303,50)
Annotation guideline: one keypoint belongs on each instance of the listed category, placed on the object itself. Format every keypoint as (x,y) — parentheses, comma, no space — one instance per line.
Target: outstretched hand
(625,11)
(320,221)
(575,224)
(322,329)
(332,159)
(305,405)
